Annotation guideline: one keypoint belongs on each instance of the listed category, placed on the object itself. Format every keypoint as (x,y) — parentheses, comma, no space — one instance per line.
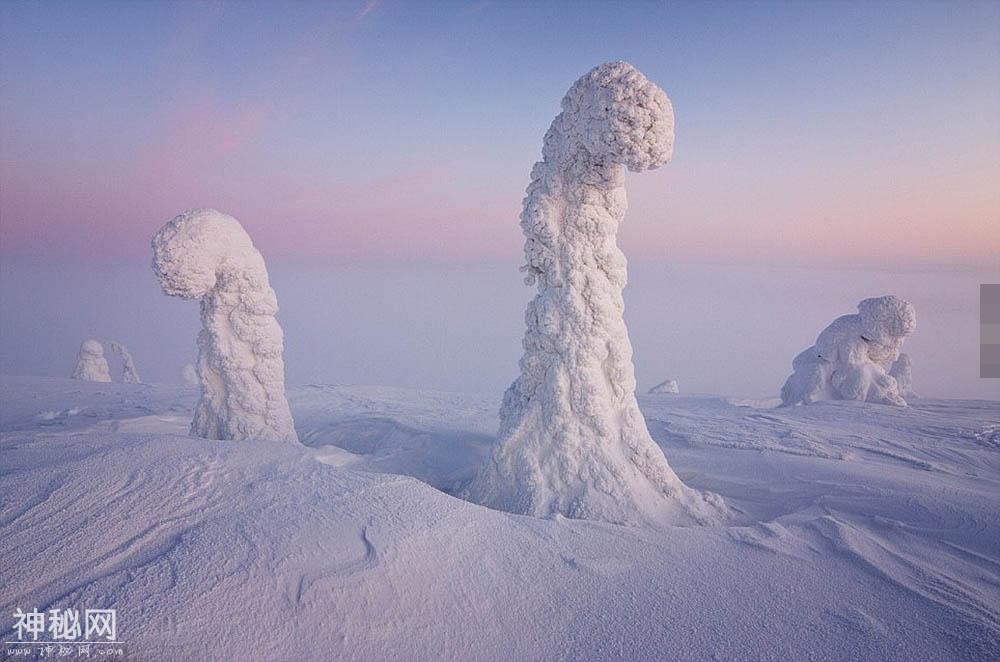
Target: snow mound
(91,366)
(203,254)
(667,386)
(852,357)
(572,440)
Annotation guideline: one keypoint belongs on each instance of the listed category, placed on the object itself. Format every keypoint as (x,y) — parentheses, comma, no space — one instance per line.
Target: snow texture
(667,386)
(902,372)
(203,254)
(129,373)
(572,440)
(860,532)
(189,374)
(852,357)
(91,366)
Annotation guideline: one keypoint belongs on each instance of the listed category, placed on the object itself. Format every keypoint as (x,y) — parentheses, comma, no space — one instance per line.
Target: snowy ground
(863,532)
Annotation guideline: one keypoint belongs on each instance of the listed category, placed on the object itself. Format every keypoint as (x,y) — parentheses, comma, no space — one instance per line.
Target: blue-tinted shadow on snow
(445,459)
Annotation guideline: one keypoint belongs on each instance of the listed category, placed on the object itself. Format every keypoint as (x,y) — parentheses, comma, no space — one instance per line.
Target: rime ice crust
(91,366)
(129,373)
(572,440)
(203,254)
(852,357)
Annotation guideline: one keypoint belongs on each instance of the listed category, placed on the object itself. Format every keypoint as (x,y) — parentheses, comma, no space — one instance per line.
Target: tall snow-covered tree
(572,440)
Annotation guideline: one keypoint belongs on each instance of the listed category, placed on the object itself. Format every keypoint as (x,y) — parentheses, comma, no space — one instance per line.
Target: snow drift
(572,440)
(203,254)
(129,373)
(91,366)
(667,386)
(852,357)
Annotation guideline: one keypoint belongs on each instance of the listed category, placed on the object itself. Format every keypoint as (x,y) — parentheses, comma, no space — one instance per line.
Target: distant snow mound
(203,254)
(667,386)
(852,357)
(189,374)
(91,366)
(572,440)
(902,372)
(129,373)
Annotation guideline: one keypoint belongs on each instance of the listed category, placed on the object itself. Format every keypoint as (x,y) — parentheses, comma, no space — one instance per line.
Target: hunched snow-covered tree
(203,254)
(852,357)
(91,366)
(129,374)
(572,440)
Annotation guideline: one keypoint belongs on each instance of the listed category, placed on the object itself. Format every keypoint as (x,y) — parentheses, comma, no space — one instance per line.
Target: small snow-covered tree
(91,366)
(189,374)
(852,357)
(572,440)
(902,372)
(129,374)
(203,254)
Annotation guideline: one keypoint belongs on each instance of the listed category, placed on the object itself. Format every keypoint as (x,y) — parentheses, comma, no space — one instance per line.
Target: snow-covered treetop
(195,248)
(887,316)
(91,347)
(618,116)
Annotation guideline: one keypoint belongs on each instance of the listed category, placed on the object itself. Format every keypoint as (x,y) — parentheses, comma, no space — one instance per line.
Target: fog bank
(717,329)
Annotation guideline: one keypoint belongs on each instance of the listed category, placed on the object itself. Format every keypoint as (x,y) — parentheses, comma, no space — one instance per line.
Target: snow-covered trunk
(240,368)
(129,373)
(572,440)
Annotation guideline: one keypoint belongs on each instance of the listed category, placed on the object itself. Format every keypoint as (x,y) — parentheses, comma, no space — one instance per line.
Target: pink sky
(376,131)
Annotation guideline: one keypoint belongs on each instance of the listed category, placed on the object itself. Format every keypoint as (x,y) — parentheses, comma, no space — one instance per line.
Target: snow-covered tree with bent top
(130,375)
(572,440)
(203,254)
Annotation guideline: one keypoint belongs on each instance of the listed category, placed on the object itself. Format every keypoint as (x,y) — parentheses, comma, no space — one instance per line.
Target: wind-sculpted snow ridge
(203,254)
(666,386)
(852,357)
(572,440)
(91,366)
(129,373)
(902,372)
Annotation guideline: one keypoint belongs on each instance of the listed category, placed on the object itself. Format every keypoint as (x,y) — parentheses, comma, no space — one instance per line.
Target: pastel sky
(406,131)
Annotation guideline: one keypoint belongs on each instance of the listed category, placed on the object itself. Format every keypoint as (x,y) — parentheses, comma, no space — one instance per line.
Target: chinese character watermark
(61,633)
